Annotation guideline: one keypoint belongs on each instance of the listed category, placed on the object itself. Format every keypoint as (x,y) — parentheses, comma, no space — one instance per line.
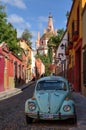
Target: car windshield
(51,85)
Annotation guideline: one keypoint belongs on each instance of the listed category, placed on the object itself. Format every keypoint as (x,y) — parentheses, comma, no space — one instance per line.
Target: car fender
(70,103)
(26,105)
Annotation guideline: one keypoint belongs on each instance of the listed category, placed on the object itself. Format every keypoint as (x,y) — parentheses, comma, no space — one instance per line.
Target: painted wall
(2,65)
(28,52)
(10,74)
(61,57)
(84,49)
(75,18)
(40,68)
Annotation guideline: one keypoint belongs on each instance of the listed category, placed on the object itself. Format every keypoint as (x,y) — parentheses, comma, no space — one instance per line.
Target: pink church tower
(50,24)
(38,41)
(41,43)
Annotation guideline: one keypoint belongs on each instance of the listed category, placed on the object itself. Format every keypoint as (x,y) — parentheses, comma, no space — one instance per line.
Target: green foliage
(50,54)
(67,14)
(46,62)
(26,35)
(2,14)
(60,33)
(47,70)
(54,42)
(45,59)
(7,33)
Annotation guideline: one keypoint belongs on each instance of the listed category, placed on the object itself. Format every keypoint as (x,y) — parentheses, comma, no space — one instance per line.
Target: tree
(67,14)
(46,62)
(3,21)
(7,32)
(54,42)
(26,35)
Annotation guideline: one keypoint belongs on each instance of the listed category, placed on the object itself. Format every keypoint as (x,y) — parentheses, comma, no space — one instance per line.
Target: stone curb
(14,91)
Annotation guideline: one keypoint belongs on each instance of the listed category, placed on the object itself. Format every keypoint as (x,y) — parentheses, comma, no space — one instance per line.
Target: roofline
(70,12)
(64,34)
(84,9)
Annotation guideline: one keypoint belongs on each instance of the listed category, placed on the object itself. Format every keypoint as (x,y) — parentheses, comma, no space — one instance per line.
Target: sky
(33,15)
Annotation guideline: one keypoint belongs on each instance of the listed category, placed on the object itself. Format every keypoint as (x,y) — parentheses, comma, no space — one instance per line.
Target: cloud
(42,19)
(41,26)
(19,23)
(34,33)
(17,3)
(15,19)
(19,32)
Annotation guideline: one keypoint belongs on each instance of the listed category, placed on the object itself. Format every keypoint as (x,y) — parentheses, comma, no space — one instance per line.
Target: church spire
(50,23)
(38,40)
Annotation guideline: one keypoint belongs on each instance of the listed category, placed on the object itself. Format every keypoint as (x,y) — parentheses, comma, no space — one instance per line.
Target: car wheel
(73,120)
(29,119)
(75,116)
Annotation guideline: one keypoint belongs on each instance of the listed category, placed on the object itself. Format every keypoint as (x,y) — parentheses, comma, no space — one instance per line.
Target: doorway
(78,69)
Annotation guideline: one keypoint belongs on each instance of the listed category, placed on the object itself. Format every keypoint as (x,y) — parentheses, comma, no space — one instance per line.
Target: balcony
(75,36)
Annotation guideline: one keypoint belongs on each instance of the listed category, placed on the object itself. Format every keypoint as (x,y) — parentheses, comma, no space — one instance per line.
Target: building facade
(61,58)
(12,69)
(28,51)
(74,30)
(83,61)
(40,68)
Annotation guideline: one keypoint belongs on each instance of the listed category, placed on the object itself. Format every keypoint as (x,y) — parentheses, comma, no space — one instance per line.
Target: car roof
(52,78)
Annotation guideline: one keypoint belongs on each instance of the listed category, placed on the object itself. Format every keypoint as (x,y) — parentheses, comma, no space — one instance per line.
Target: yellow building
(28,50)
(74,30)
(83,74)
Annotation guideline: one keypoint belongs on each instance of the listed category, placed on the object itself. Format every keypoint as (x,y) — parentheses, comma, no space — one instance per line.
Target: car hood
(50,102)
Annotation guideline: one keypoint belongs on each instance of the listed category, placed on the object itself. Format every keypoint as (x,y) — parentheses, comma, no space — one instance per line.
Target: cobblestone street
(12,115)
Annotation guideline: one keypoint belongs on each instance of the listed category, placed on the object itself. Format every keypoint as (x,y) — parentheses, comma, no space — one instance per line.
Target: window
(51,85)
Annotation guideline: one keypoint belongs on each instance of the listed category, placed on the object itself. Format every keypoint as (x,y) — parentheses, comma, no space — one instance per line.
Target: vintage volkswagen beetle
(51,101)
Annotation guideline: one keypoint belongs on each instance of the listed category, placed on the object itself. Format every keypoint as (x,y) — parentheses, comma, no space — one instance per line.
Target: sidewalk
(80,102)
(14,91)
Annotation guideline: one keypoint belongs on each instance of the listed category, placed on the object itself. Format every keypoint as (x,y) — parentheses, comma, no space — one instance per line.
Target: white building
(61,57)
(33,63)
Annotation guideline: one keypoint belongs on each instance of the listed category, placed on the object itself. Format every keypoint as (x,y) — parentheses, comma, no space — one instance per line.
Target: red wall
(77,74)
(1,73)
(8,67)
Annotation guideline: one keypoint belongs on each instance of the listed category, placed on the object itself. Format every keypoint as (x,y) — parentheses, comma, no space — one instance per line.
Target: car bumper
(58,116)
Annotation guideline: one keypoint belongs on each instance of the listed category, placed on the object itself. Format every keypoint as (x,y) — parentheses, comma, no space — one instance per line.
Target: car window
(51,85)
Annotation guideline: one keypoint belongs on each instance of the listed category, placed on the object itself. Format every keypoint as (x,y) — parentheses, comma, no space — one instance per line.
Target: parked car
(51,101)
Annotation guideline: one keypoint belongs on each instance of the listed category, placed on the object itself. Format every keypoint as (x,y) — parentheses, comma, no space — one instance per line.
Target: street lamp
(62,46)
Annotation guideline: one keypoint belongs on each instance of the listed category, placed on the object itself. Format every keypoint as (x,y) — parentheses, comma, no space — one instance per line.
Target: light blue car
(51,101)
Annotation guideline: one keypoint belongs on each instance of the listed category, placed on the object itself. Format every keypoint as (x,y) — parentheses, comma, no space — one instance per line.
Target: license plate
(48,116)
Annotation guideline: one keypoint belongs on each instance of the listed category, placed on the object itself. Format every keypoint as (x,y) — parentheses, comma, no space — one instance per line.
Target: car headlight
(31,106)
(66,108)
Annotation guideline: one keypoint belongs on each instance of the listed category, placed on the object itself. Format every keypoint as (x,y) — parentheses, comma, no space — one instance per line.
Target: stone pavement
(14,91)
(80,102)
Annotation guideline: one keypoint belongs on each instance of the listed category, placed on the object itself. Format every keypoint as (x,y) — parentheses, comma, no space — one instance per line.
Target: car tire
(29,120)
(73,120)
